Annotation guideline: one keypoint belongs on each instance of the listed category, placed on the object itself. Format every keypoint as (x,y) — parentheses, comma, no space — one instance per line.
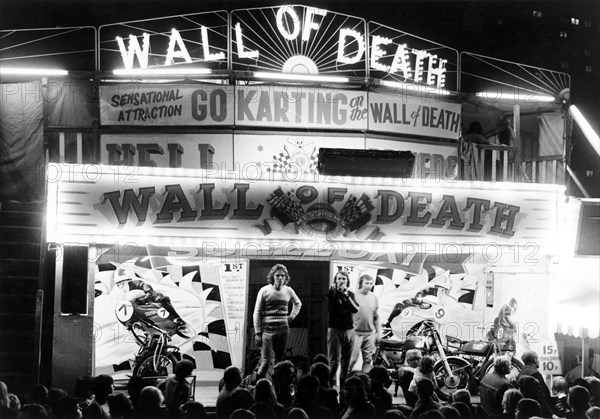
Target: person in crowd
(242,414)
(424,372)
(68,408)
(463,409)
(431,414)
(340,332)
(450,412)
(494,384)
(528,408)
(464,396)
(176,389)
(380,397)
(358,405)
(120,406)
(54,396)
(593,412)
(406,374)
(284,382)
(306,398)
(272,317)
(511,398)
(594,390)
(559,402)
(33,411)
(531,389)
(262,410)
(193,410)
(151,403)
(240,398)
(579,402)
(134,388)
(531,364)
(84,391)
(265,393)
(320,358)
(394,414)
(425,393)
(326,396)
(366,324)
(126,280)
(5,404)
(232,378)
(103,386)
(297,413)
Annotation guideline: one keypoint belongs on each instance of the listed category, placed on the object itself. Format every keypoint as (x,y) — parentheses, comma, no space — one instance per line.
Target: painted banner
(209,297)
(161,104)
(290,106)
(414,115)
(156,206)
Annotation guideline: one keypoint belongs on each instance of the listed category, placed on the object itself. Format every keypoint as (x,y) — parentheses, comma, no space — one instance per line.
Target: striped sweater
(272,308)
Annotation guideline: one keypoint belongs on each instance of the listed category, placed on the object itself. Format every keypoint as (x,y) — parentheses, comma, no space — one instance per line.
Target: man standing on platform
(272,317)
(340,333)
(366,324)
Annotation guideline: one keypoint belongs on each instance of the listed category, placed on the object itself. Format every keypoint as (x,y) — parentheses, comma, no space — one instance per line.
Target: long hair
(345,275)
(275,268)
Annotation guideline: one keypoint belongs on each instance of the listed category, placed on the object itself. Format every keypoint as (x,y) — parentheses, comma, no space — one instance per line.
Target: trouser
(274,344)
(340,343)
(365,345)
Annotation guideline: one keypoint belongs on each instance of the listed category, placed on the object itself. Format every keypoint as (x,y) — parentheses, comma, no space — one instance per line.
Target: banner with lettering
(162,206)
(414,115)
(293,107)
(166,104)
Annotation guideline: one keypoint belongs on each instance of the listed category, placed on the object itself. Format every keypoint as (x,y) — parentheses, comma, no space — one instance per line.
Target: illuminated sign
(158,206)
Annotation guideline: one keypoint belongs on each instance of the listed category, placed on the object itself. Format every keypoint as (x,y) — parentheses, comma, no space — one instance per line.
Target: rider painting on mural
(504,326)
(127,281)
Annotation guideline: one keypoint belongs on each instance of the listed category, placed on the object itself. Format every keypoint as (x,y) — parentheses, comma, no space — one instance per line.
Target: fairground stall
(208,147)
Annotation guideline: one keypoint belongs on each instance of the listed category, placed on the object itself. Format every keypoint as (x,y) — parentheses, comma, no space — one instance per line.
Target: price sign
(549,359)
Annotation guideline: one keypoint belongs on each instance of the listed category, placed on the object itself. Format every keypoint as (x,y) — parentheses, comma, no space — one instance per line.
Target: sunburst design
(292,47)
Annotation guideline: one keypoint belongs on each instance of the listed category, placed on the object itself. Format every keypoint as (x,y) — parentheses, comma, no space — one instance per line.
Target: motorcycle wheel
(138,333)
(165,364)
(515,368)
(187,331)
(462,377)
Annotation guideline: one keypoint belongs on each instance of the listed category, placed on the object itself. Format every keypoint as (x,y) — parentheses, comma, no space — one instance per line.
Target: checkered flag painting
(284,163)
(286,204)
(356,212)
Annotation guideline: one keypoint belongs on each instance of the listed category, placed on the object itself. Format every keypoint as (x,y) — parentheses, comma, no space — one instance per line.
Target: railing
(492,163)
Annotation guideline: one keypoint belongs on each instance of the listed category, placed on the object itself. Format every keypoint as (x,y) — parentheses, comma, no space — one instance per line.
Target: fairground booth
(192,153)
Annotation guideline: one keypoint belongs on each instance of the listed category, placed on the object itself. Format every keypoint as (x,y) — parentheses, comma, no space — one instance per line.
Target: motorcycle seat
(476,347)
(391,344)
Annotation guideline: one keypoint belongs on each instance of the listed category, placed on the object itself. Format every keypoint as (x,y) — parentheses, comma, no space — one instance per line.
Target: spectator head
(355,391)
(102,386)
(68,408)
(274,269)
(308,387)
(463,409)
(560,385)
(530,358)
(242,414)
(581,382)
(432,414)
(363,377)
(120,406)
(380,377)
(263,411)
(510,399)
(340,275)
(232,378)
(425,389)
(193,410)
(528,408)
(579,399)
(14,402)
(502,365)
(284,373)
(413,357)
(594,388)
(39,395)
(134,388)
(593,412)
(320,358)
(321,371)
(84,387)
(426,364)
(363,278)
(450,412)
(151,399)
(34,411)
(264,392)
(297,413)
(462,396)
(529,387)
(241,399)
(183,368)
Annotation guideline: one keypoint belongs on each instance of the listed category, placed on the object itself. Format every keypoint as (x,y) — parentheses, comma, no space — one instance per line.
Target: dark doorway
(309,280)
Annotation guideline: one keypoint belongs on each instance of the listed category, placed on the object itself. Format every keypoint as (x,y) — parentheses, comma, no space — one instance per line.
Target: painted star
(260,148)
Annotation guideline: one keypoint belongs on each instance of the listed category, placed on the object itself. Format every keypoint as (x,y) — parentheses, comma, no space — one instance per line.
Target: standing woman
(340,333)
(272,317)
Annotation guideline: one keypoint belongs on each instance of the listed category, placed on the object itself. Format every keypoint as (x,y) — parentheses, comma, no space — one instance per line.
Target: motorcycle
(152,328)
